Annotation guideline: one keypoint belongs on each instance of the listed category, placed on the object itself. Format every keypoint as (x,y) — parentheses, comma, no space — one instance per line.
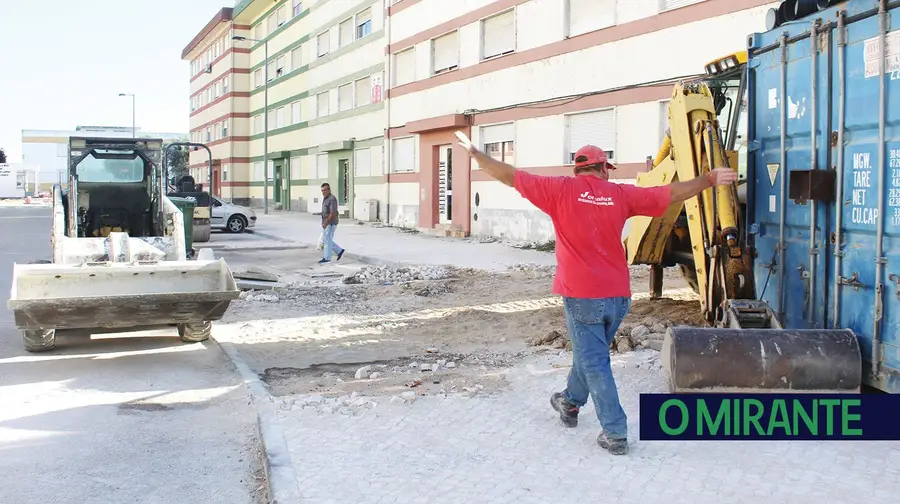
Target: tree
(2,156)
(178,162)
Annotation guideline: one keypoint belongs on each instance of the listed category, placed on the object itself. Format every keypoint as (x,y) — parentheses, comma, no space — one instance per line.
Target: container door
(794,284)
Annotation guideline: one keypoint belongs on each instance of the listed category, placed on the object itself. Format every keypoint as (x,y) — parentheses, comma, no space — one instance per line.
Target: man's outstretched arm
(681,191)
(499,170)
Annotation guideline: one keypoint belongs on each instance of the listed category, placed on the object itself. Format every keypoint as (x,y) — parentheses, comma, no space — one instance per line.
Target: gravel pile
(389,275)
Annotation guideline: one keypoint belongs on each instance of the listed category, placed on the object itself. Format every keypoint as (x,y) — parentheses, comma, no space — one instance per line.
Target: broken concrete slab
(256,273)
(257,284)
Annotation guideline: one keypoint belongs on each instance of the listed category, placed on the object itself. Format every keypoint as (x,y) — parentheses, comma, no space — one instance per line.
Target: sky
(66,61)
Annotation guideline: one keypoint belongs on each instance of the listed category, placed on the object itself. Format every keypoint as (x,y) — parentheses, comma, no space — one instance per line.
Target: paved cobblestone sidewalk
(510,448)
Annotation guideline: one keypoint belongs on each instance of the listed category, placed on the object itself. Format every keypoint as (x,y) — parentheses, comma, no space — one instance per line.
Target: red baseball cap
(591,155)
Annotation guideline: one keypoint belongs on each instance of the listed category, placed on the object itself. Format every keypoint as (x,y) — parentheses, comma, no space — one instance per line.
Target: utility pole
(133,126)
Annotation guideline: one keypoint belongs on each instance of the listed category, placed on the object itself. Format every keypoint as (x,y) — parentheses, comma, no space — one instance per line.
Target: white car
(230,217)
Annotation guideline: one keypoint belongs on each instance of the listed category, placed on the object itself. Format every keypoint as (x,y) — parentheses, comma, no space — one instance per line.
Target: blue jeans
(330,246)
(592,325)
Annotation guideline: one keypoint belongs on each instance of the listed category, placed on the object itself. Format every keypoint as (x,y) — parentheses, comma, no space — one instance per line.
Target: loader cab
(113,187)
(726,78)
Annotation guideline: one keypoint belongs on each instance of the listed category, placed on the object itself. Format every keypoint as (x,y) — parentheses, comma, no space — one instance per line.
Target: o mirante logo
(743,417)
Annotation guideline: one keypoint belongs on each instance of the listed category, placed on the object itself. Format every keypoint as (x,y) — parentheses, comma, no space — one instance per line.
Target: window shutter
(322,166)
(295,112)
(674,4)
(363,92)
(345,97)
(279,117)
(322,104)
(500,34)
(404,155)
(323,43)
(362,163)
(445,52)
(594,128)
(295,168)
(589,15)
(346,28)
(296,59)
(498,133)
(405,67)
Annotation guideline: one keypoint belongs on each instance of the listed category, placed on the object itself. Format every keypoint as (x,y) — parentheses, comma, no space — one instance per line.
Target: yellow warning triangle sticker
(773,172)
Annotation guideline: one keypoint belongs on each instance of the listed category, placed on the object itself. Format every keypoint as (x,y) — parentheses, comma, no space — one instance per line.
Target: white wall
(637,59)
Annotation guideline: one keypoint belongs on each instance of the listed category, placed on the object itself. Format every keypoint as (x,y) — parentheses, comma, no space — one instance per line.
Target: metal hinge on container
(853,281)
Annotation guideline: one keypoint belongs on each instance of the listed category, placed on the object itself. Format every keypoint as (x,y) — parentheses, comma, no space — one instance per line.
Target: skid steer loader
(119,260)
(748,349)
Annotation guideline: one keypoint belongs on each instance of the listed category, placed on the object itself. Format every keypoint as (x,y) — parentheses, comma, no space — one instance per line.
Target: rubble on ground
(391,275)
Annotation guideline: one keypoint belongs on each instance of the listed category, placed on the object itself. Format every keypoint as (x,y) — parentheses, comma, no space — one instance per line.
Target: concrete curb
(250,247)
(281,480)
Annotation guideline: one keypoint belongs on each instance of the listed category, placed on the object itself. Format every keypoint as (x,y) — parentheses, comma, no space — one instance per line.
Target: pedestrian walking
(592,275)
(329,225)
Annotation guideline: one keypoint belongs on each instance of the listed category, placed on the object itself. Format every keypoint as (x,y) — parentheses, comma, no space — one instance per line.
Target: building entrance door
(343,195)
(445,184)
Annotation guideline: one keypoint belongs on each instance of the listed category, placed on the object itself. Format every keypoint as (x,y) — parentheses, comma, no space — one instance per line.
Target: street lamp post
(133,127)
(265,119)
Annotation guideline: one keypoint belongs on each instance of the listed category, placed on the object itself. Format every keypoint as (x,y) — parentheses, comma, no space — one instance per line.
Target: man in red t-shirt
(592,274)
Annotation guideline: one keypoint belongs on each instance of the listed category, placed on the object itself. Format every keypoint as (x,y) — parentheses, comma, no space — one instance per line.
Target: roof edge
(223,16)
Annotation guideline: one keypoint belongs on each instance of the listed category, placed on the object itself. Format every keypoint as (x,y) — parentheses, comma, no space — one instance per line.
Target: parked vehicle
(230,217)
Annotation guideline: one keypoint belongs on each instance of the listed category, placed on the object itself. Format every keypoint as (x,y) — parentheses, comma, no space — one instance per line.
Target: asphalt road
(136,419)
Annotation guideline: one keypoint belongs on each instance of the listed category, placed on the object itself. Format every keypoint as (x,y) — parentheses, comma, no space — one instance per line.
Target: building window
(258,77)
(362,163)
(225,84)
(295,112)
(297,7)
(258,171)
(405,67)
(364,23)
(404,155)
(323,43)
(272,122)
(445,53)
(322,166)
(296,58)
(259,32)
(663,120)
(279,66)
(225,128)
(591,128)
(665,5)
(322,104)
(208,134)
(498,141)
(363,91)
(498,35)
(271,24)
(279,118)
(585,16)
(271,70)
(281,15)
(346,32)
(215,90)
(296,166)
(345,97)
(257,124)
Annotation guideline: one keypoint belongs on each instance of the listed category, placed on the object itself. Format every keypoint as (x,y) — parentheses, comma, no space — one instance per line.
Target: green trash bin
(186,205)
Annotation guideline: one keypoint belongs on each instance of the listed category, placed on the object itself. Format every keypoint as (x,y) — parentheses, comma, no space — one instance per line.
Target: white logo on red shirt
(587,197)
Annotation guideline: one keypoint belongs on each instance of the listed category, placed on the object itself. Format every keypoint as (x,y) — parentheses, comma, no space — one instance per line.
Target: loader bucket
(762,360)
(120,295)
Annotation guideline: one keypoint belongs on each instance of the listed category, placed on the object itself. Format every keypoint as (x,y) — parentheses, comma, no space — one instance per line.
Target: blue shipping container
(823,73)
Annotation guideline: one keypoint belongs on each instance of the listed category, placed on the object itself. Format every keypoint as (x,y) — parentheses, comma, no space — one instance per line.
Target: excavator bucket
(762,360)
(120,295)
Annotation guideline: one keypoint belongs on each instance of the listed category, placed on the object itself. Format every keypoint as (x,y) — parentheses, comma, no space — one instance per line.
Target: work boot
(568,412)
(616,446)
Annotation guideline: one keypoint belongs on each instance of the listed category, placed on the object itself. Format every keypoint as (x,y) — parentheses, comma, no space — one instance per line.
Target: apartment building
(306,95)
(531,81)
(219,112)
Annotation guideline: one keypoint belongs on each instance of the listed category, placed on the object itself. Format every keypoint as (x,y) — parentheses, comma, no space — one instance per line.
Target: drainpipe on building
(231,113)
(387,85)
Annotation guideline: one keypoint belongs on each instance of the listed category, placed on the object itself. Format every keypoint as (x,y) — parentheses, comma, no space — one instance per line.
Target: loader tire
(196,332)
(690,276)
(39,340)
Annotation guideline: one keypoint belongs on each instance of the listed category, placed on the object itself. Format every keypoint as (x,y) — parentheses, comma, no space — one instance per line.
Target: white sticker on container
(872,55)
(772,201)
(773,98)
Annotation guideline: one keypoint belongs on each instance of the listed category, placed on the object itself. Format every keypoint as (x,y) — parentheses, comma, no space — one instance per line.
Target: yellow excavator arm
(703,235)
